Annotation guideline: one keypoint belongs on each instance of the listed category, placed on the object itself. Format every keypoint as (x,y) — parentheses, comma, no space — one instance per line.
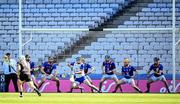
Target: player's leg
(20,84)
(102,81)
(15,80)
(163,79)
(89,79)
(43,79)
(91,85)
(76,85)
(150,80)
(135,86)
(120,82)
(54,78)
(115,79)
(7,82)
(31,85)
(34,81)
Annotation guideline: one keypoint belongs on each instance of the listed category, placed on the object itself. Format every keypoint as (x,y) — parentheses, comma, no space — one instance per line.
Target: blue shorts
(80,80)
(113,76)
(47,77)
(160,78)
(127,81)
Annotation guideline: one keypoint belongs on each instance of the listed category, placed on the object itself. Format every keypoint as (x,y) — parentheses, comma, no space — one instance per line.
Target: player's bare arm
(114,71)
(159,72)
(103,70)
(18,70)
(42,70)
(134,74)
(91,71)
(148,73)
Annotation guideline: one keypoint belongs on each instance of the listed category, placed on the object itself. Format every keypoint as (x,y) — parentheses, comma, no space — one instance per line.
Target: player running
(128,72)
(108,71)
(79,76)
(32,66)
(157,68)
(88,69)
(49,72)
(23,72)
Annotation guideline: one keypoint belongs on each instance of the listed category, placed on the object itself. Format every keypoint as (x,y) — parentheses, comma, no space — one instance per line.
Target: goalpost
(173,29)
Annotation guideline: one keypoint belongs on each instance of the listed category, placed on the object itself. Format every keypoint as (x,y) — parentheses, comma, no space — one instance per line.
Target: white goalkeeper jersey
(76,68)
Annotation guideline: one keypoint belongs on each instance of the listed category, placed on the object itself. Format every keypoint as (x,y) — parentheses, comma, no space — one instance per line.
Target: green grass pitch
(89,98)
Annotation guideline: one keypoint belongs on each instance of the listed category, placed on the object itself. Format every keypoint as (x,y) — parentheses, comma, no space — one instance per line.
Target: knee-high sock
(148,87)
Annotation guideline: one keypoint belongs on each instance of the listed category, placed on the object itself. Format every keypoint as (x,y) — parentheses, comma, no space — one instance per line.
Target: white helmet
(22,58)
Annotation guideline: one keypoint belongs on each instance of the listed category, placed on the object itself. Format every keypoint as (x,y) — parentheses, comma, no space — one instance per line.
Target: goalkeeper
(157,68)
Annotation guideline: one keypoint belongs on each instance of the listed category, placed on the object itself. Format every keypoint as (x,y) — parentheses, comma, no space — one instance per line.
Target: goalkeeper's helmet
(78,60)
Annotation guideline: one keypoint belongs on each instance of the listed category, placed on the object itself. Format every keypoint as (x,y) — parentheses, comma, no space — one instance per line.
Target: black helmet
(27,56)
(8,54)
(107,57)
(156,59)
(50,58)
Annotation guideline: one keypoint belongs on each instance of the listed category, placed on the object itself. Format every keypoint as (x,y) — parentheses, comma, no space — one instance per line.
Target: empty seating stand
(157,14)
(62,13)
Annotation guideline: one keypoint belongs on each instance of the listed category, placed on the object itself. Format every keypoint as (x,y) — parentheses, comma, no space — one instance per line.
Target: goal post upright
(174,43)
(20,27)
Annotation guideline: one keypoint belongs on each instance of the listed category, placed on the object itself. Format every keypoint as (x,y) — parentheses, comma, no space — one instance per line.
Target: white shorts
(160,78)
(113,76)
(47,77)
(127,81)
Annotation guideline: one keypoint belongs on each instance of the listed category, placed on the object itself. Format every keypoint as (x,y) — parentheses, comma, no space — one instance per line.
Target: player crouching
(88,69)
(157,75)
(24,75)
(108,71)
(49,72)
(79,76)
(128,72)
(72,66)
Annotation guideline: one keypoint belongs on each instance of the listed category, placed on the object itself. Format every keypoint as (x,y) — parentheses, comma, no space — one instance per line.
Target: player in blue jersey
(108,71)
(32,66)
(128,72)
(79,76)
(157,75)
(88,69)
(49,72)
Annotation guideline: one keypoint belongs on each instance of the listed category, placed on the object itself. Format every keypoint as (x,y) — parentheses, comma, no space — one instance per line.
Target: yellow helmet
(126,60)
